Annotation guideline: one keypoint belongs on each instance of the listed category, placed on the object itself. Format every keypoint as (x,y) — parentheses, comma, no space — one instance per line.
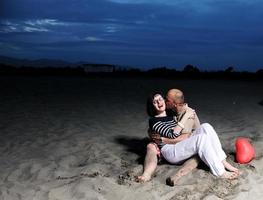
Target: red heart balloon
(245,152)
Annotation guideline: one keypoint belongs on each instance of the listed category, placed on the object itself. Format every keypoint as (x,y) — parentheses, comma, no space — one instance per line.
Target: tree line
(188,72)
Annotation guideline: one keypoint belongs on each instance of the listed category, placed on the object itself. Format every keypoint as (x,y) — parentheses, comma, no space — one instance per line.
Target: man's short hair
(176,94)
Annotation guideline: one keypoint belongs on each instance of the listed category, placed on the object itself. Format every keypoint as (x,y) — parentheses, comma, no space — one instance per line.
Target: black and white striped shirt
(164,126)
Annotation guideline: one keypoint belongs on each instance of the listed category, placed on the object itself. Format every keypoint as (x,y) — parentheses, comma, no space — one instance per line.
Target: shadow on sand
(134,145)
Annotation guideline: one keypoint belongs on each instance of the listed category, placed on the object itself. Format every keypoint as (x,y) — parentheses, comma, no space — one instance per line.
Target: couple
(180,137)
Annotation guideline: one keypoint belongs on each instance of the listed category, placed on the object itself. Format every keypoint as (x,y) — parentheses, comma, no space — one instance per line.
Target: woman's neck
(161,114)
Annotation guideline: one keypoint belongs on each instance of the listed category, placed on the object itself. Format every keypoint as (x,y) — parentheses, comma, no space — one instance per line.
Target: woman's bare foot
(229,167)
(143,178)
(229,175)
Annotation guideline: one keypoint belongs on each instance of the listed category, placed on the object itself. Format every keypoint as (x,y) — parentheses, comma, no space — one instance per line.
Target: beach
(84,138)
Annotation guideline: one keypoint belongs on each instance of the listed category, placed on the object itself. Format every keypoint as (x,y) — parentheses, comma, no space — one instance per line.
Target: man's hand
(158,139)
(184,136)
(176,140)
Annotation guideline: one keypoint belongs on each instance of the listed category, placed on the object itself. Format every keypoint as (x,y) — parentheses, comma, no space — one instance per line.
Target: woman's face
(159,103)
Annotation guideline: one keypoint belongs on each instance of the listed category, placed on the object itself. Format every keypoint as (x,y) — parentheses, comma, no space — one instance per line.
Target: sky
(209,34)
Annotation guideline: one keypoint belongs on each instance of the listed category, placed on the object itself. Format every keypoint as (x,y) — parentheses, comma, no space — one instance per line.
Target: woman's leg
(150,163)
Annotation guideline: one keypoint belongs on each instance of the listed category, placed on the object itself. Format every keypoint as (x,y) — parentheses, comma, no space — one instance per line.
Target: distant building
(98,68)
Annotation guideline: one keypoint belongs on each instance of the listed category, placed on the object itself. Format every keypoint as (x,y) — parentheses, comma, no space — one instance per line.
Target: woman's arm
(164,128)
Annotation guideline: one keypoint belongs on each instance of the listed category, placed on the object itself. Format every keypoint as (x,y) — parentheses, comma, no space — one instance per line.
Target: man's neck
(181,113)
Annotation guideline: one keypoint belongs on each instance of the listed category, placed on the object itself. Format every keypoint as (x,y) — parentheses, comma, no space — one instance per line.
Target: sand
(84,138)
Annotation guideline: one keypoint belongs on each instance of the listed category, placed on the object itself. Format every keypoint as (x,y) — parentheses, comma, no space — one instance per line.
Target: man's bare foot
(229,175)
(229,167)
(172,181)
(187,167)
(143,178)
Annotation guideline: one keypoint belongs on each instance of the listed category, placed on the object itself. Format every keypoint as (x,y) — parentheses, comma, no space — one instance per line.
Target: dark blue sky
(210,34)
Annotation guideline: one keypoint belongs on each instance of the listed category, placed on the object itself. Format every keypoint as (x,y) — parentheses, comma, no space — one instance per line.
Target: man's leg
(199,143)
(212,135)
(150,163)
(218,147)
(186,168)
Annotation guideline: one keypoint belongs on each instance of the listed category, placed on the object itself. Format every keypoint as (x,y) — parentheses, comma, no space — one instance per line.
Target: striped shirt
(164,126)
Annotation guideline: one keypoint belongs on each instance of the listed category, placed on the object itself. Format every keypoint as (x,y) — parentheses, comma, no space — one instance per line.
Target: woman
(204,141)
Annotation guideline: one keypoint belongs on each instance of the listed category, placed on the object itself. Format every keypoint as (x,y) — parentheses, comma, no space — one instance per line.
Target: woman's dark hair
(151,111)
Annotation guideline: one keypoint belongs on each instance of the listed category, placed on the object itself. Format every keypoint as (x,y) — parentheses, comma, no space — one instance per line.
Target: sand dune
(85,138)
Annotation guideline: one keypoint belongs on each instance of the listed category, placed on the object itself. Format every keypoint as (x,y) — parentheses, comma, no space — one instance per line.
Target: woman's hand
(156,138)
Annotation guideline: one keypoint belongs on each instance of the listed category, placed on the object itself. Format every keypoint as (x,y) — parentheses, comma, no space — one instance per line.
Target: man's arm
(176,140)
(196,122)
(165,129)
(185,125)
(158,139)
(191,124)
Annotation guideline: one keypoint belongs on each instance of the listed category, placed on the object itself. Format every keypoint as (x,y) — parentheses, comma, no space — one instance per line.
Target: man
(175,102)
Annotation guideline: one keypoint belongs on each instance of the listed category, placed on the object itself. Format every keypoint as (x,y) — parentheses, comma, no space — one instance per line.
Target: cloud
(44,22)
(185,2)
(34,29)
(36,25)
(92,39)
(154,28)
(111,28)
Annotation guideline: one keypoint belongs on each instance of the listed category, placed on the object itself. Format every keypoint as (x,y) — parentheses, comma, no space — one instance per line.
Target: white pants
(204,142)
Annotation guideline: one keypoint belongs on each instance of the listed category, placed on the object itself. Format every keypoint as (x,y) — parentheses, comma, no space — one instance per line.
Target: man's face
(177,105)
(169,102)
